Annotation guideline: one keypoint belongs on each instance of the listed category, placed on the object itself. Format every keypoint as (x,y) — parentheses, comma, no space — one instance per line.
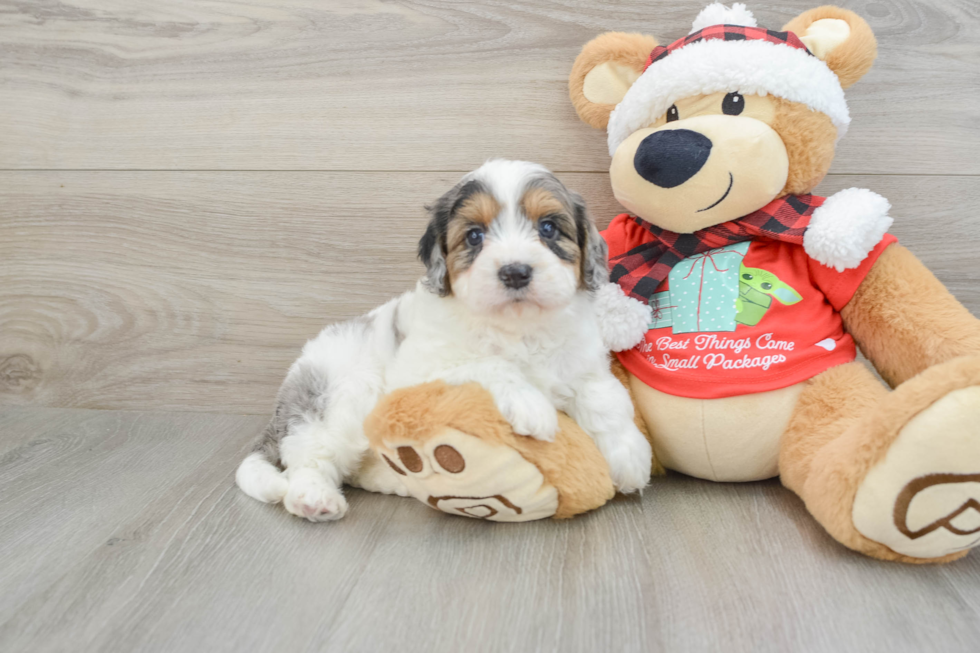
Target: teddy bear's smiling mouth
(731,180)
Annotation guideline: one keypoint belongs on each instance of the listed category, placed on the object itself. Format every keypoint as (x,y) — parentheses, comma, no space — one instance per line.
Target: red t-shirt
(750,317)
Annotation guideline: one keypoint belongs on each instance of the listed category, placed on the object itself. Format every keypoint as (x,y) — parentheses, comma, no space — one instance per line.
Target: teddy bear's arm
(623,321)
(905,320)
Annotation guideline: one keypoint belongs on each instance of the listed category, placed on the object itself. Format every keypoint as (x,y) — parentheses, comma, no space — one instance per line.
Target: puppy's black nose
(670,157)
(515,275)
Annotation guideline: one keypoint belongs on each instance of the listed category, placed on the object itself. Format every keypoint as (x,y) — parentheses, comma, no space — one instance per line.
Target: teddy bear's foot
(376,476)
(463,475)
(453,451)
(922,499)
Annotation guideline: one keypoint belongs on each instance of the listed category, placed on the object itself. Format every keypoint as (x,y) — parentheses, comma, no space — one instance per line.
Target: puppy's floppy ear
(838,37)
(603,72)
(432,246)
(595,265)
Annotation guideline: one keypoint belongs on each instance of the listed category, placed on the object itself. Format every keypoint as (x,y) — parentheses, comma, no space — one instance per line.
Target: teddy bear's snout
(669,157)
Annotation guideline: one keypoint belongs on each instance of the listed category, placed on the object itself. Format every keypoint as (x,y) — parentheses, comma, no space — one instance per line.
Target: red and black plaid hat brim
(728,33)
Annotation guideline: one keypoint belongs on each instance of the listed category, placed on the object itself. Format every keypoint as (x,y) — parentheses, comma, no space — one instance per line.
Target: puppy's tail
(257,476)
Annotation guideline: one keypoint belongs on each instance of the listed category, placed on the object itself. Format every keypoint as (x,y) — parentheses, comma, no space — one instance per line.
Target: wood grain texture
(122,532)
(190,190)
(72,479)
(413,85)
(195,290)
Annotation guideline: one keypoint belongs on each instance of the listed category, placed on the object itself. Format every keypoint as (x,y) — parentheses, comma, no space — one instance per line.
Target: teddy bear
(761,291)
(758,294)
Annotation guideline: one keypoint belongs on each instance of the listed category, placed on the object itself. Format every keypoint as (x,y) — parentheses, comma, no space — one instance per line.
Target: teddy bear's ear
(603,72)
(840,38)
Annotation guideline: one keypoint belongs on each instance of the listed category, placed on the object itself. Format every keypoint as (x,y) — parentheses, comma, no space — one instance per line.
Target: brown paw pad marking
(479,507)
(411,459)
(922,483)
(448,458)
(395,467)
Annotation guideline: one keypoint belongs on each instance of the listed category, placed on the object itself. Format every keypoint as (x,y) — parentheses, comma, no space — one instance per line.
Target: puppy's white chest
(551,368)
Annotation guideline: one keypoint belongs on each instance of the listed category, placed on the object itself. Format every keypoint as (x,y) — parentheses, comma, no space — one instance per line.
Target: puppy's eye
(766,285)
(547,229)
(474,237)
(672,113)
(733,104)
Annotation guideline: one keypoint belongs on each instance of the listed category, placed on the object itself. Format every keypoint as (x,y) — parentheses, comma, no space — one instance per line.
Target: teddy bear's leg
(452,449)
(894,475)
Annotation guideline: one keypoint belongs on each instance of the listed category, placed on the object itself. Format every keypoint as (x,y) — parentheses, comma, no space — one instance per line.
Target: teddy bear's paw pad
(463,475)
(923,499)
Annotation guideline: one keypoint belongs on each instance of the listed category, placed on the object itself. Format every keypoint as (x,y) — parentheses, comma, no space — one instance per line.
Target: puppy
(509,300)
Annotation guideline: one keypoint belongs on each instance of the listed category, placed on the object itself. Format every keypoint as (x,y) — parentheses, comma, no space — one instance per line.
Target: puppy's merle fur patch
(578,241)
(477,211)
(595,252)
(434,245)
(302,396)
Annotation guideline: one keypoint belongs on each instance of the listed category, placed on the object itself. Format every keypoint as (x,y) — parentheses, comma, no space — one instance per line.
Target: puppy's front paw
(311,497)
(630,461)
(529,413)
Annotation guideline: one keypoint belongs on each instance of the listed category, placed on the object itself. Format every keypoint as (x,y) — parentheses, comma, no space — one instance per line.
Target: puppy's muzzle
(515,275)
(670,157)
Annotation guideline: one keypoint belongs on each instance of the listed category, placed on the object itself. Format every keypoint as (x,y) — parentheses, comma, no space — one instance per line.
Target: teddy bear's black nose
(670,157)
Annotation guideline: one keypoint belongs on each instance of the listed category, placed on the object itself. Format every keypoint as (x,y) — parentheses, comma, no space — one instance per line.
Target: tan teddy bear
(760,290)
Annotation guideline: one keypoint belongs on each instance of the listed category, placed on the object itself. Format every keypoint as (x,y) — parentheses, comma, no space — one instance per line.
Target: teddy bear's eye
(733,104)
(747,276)
(672,114)
(766,285)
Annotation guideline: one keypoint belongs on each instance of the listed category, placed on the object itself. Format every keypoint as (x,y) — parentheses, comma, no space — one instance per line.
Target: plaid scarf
(640,270)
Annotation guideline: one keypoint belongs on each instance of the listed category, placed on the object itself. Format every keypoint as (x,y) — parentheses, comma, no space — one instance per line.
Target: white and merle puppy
(509,300)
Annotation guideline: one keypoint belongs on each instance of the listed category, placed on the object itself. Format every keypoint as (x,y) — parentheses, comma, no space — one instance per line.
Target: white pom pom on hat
(718,14)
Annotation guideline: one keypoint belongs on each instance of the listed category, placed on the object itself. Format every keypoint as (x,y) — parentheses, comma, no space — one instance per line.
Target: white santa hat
(727,52)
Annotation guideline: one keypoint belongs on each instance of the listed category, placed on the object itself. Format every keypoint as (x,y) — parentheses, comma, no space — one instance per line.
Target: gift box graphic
(663,315)
(703,291)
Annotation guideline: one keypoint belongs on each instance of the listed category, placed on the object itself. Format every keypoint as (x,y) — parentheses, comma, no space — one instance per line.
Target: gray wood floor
(122,531)
(189,190)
